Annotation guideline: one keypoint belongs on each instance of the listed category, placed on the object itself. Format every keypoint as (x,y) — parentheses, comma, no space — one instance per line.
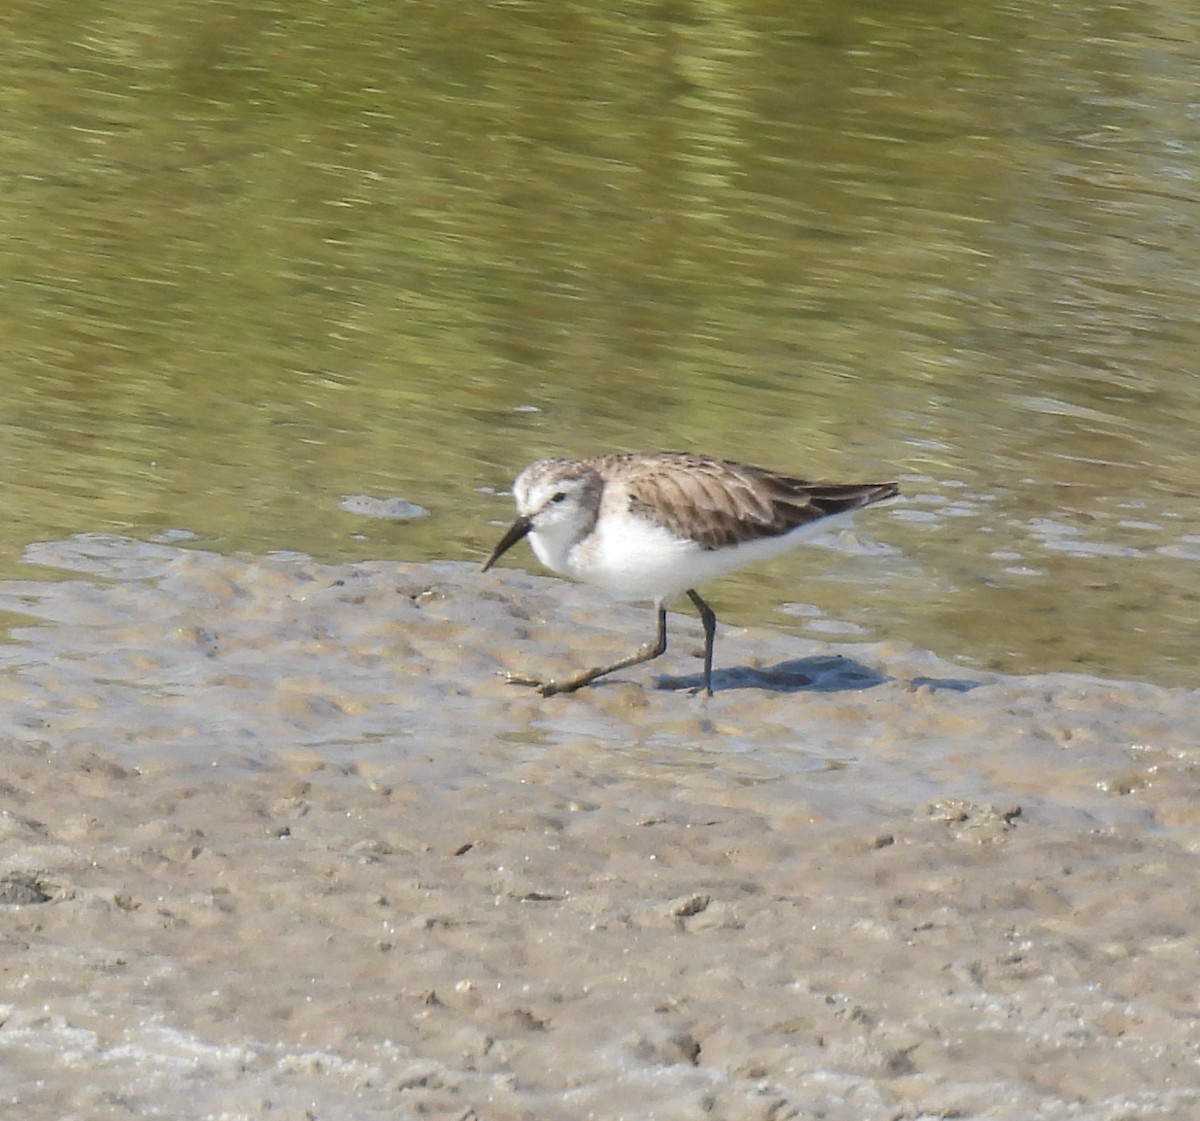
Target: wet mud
(278,840)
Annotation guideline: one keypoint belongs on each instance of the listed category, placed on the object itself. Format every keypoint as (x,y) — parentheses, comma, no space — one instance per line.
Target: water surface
(259,258)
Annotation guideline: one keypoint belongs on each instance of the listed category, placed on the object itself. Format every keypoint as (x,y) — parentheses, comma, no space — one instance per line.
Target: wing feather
(720,503)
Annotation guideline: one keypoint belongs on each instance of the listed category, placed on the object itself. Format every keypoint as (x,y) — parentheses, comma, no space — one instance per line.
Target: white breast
(635,557)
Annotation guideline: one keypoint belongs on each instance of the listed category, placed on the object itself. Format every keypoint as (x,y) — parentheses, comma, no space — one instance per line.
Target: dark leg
(710,630)
(645,654)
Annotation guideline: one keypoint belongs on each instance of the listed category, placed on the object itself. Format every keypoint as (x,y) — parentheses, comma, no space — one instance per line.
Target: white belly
(640,559)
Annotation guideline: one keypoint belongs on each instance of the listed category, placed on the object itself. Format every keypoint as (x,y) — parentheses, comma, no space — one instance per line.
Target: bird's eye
(559,497)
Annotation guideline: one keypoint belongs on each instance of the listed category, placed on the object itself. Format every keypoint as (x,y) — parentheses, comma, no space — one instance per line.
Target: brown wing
(721,503)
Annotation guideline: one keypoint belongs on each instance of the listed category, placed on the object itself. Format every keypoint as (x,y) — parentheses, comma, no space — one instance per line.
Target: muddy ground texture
(277,840)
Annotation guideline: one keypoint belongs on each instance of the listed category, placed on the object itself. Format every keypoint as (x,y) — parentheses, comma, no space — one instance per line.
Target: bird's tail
(841,498)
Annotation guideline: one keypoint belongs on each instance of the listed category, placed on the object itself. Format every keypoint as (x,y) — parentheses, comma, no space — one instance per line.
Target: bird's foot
(546,688)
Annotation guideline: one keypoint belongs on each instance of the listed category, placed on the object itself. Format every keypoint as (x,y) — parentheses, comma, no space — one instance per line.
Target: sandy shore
(278,841)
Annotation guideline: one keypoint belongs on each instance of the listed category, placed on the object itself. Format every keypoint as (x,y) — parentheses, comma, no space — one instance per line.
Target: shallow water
(279,838)
(258,264)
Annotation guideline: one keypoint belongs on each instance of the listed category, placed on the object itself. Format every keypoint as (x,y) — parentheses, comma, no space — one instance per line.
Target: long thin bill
(516,531)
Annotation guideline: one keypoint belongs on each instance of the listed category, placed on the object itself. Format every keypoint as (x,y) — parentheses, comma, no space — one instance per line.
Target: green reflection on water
(259,257)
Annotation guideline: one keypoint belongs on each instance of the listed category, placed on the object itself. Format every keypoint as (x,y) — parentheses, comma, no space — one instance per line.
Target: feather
(719,503)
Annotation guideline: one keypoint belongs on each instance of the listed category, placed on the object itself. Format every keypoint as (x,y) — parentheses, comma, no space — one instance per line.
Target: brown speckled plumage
(720,503)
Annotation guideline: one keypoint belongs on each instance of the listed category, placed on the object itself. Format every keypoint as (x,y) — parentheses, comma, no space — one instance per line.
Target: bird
(651,525)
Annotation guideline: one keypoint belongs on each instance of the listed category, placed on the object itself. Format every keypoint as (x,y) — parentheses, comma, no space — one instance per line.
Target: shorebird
(653,524)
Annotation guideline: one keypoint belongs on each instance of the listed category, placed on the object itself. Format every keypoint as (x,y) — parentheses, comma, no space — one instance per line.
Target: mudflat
(280,841)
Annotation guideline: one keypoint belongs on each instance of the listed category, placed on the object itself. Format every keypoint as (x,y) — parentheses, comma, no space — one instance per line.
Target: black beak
(516,531)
